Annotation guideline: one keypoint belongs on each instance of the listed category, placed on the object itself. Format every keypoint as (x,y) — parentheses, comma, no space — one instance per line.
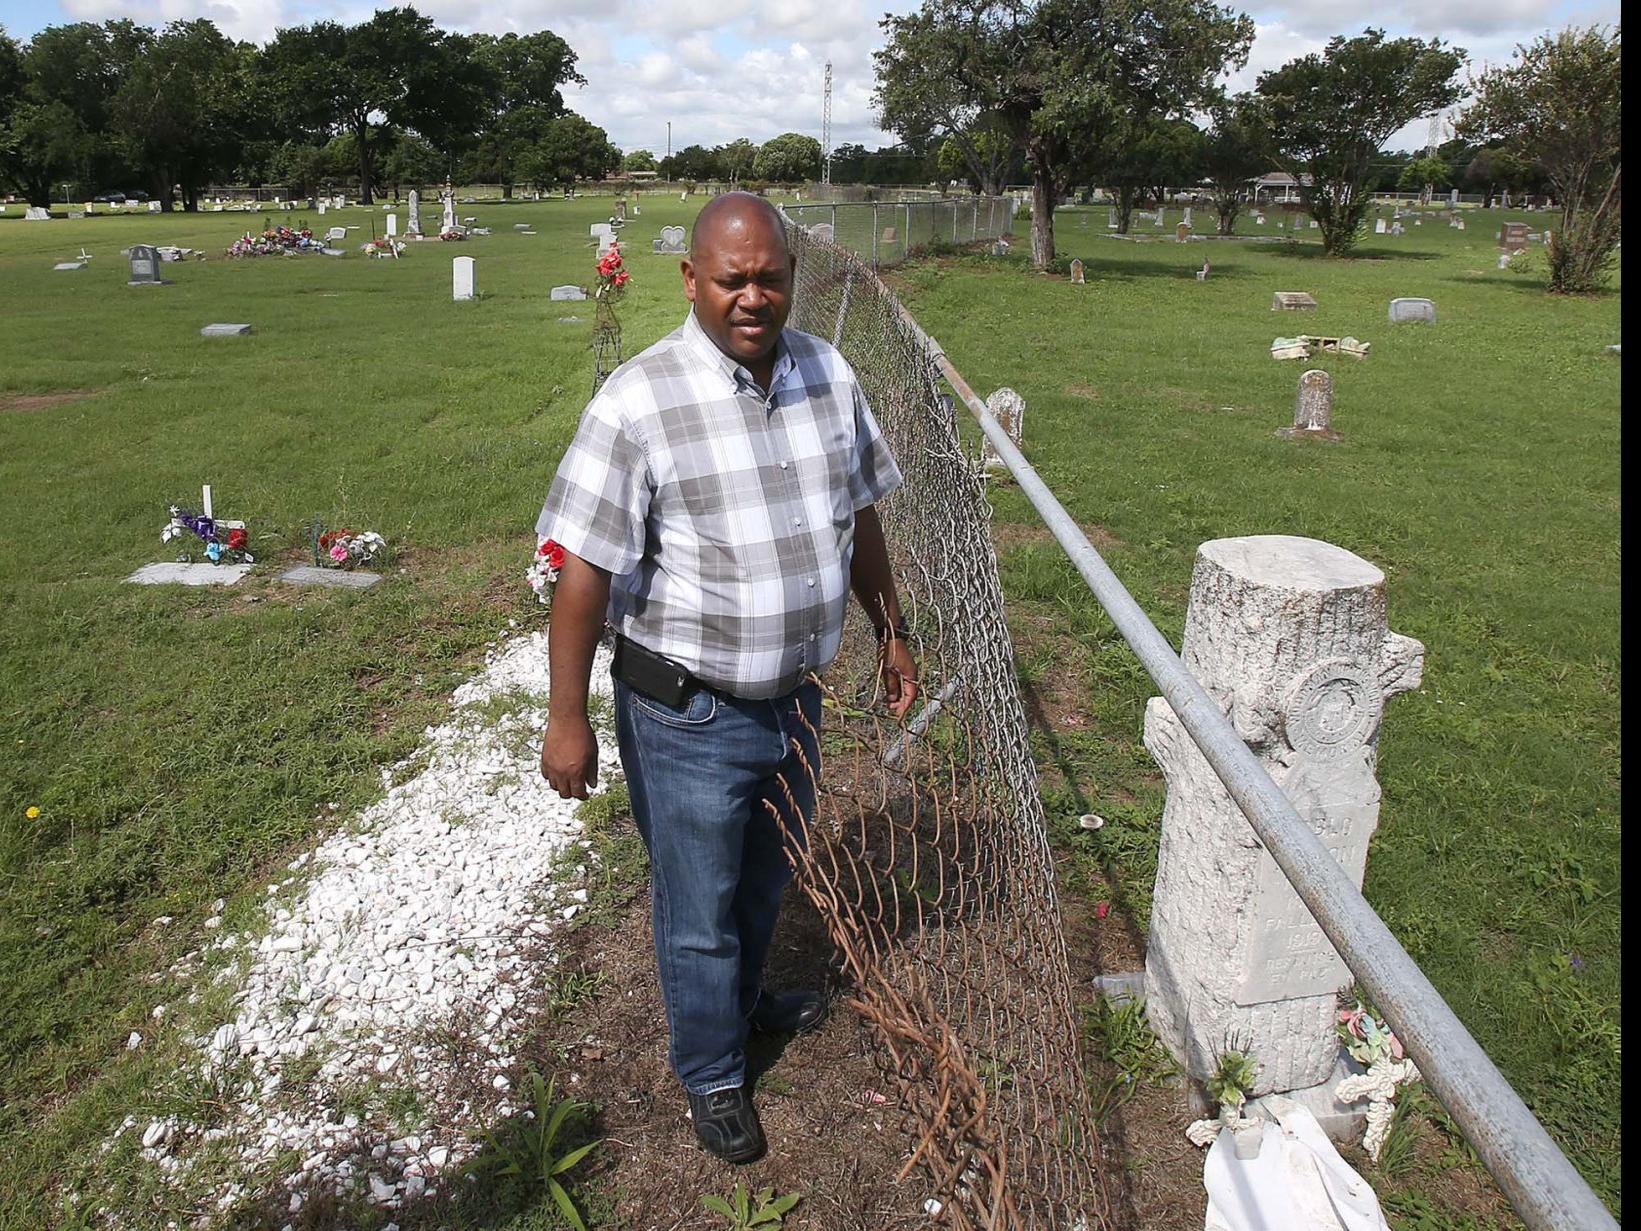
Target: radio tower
(826,128)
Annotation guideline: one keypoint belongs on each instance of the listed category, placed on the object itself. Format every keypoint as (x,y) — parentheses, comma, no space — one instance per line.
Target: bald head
(735,217)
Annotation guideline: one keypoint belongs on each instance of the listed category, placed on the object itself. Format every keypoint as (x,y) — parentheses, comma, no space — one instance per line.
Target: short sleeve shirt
(725,515)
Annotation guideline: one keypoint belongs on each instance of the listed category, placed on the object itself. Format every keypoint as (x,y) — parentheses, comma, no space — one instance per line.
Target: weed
(1232,1080)
(1120,1036)
(531,1149)
(747,1210)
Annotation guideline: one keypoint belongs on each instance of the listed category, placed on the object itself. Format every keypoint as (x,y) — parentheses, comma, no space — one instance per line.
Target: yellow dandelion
(32,813)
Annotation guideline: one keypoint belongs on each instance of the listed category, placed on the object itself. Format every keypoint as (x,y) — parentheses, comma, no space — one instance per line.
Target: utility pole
(669,138)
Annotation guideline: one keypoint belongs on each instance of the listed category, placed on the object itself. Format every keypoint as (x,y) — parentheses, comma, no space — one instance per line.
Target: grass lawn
(1479,468)
(182,744)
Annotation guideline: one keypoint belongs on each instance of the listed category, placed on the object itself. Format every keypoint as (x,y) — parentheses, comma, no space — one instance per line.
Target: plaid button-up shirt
(726,517)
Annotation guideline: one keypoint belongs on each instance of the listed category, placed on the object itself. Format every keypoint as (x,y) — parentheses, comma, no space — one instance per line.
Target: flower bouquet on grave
(544,571)
(452,233)
(347,548)
(218,543)
(381,246)
(613,276)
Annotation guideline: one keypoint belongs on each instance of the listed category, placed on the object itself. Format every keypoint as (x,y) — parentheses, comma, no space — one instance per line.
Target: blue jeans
(699,776)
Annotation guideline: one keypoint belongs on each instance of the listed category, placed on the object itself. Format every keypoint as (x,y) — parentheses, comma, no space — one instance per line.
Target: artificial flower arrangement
(275,241)
(381,246)
(544,571)
(348,548)
(452,233)
(1367,1038)
(185,526)
(613,275)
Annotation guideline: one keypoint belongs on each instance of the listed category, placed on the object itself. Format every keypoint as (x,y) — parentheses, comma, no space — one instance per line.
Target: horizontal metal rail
(1543,1186)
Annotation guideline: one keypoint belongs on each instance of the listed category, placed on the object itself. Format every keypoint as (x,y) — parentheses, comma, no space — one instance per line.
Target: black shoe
(787,1012)
(726,1124)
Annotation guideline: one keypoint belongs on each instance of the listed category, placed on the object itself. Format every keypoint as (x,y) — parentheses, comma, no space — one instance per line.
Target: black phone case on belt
(659,679)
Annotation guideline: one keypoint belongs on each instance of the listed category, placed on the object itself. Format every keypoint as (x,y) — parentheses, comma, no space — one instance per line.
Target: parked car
(110,198)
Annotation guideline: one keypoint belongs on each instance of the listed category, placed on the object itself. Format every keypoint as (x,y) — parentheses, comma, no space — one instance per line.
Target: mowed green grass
(1479,469)
(182,744)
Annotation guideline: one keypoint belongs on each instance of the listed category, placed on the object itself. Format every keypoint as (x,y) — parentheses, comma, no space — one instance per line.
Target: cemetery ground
(184,745)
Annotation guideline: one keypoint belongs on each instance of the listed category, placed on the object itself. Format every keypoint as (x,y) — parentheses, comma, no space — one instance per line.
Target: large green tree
(1329,114)
(1559,104)
(1145,156)
(1234,156)
(788,158)
(569,149)
(737,158)
(1060,76)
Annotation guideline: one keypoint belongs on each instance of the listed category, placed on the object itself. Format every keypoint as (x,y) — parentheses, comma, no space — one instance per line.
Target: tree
(1426,174)
(737,158)
(693,162)
(638,160)
(1146,156)
(982,154)
(1233,158)
(1560,105)
(788,158)
(1330,114)
(569,149)
(1059,77)
(1493,169)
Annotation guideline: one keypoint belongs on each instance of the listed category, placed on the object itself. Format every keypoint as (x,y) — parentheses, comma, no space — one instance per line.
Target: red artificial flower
(1102,910)
(237,539)
(553,552)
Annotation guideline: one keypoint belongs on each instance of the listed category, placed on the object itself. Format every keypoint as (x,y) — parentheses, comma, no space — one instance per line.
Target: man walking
(717,506)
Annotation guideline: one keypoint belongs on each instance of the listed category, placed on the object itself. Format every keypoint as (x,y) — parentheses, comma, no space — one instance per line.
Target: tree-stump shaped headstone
(1291,636)
(1009,409)
(1313,408)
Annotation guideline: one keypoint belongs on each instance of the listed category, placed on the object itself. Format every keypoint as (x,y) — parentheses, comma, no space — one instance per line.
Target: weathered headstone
(1513,237)
(822,231)
(69,265)
(1380,226)
(1202,274)
(888,235)
(1077,271)
(672,242)
(36,213)
(567,292)
(1187,215)
(603,235)
(1182,233)
(1504,260)
(1412,310)
(1290,634)
(1293,301)
(1397,228)
(1111,223)
(221,330)
(448,222)
(340,579)
(322,208)
(188,574)
(413,224)
(1313,408)
(145,266)
(1009,409)
(1259,219)
(153,207)
(392,226)
(461,278)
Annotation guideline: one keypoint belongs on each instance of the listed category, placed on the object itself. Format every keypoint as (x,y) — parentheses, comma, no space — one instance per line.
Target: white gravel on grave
(436,907)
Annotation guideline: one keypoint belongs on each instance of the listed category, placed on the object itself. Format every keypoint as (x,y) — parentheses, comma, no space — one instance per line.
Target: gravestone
(461,278)
(1077,271)
(220,330)
(153,207)
(567,292)
(1202,274)
(145,266)
(1290,635)
(1160,213)
(1313,409)
(392,226)
(1397,228)
(1453,198)
(448,222)
(1009,409)
(1293,301)
(1187,215)
(602,234)
(1412,310)
(1111,223)
(1182,233)
(672,242)
(336,235)
(69,265)
(188,574)
(336,578)
(1000,248)
(1504,260)
(1380,226)
(322,208)
(521,226)
(1314,224)
(1259,219)
(1513,238)
(413,224)
(822,231)
(888,235)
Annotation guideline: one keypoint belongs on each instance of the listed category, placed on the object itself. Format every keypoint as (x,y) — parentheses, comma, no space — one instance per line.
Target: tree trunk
(1042,207)
(506,192)
(1125,209)
(361,138)
(1229,208)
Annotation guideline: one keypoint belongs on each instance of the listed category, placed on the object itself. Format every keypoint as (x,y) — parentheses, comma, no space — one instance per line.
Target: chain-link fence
(929,859)
(886,232)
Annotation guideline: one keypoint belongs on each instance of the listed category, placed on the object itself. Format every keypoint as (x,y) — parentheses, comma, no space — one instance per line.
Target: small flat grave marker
(1292,301)
(1423,310)
(335,578)
(888,235)
(188,574)
(69,265)
(568,292)
(221,330)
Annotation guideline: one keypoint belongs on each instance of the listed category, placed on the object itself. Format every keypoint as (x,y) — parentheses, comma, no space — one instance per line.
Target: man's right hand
(569,756)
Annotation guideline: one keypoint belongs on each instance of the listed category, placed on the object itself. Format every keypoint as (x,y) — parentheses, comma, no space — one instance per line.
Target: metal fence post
(874,235)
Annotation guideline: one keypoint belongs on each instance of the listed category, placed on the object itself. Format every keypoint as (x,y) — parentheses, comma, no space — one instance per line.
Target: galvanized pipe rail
(1543,1186)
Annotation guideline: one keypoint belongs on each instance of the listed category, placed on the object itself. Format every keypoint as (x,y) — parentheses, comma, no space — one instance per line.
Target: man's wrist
(898,630)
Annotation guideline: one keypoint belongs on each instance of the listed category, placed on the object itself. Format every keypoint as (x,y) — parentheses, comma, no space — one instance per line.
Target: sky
(717,74)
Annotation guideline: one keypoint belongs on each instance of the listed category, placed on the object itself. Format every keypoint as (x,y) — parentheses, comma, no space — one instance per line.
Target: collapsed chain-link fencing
(928,857)
(887,232)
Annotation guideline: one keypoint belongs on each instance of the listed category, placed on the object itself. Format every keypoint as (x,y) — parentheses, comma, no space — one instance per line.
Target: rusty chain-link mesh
(886,232)
(928,858)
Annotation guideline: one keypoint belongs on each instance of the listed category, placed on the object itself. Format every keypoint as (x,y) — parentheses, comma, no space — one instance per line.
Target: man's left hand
(898,670)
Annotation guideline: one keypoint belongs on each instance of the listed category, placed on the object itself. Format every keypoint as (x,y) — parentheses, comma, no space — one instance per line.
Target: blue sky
(718,73)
